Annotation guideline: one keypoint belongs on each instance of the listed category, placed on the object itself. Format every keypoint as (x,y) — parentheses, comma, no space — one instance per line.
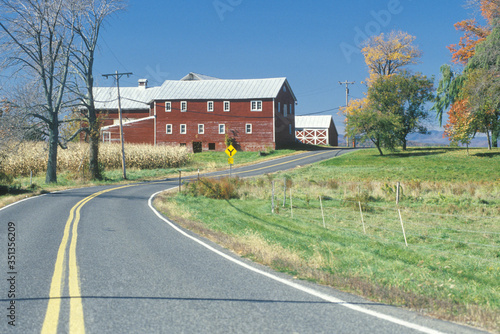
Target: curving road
(102,260)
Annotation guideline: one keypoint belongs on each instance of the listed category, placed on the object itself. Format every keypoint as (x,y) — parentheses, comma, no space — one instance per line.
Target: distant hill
(437,138)
(433,138)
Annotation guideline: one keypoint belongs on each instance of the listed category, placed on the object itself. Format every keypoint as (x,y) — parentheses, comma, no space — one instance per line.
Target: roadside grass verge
(451,267)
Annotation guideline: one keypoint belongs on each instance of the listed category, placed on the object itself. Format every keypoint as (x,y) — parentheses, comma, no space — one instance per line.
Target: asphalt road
(102,260)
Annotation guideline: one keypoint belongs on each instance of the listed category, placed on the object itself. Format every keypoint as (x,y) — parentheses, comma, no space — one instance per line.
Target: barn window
(279,107)
(256,105)
(222,129)
(201,129)
(168,106)
(169,129)
(210,106)
(290,128)
(248,128)
(284,109)
(182,144)
(227,106)
(184,106)
(211,146)
(183,128)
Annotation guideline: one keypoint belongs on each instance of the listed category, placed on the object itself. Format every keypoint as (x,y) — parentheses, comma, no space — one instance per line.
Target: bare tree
(16,125)
(87,27)
(9,134)
(36,38)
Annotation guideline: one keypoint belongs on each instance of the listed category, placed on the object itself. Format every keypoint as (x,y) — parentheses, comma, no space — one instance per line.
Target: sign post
(230,151)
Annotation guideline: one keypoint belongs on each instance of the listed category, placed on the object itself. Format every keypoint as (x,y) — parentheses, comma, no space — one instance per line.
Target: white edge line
(293,284)
(20,201)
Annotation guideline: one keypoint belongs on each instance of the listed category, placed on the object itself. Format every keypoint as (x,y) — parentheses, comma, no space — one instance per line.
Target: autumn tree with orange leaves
(474,32)
(459,127)
(472,97)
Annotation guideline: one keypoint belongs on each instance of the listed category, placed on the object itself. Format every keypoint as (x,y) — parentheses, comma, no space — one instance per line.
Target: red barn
(200,111)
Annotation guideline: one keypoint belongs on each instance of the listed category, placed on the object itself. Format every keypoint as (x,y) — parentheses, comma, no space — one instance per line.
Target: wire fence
(472,237)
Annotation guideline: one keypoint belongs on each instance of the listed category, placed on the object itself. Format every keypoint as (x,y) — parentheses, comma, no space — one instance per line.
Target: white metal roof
(198,89)
(312,122)
(220,89)
(131,97)
(197,76)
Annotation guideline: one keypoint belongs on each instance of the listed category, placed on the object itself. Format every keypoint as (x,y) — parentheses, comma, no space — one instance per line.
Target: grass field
(450,208)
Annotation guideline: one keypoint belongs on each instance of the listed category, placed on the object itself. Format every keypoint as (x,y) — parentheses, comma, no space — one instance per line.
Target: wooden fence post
(362,220)
(402,226)
(397,193)
(322,213)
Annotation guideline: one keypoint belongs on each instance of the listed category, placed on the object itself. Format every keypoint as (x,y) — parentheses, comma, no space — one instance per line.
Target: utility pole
(347,83)
(117,76)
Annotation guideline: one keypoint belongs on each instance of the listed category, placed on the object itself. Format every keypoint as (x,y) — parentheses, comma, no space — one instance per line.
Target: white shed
(316,130)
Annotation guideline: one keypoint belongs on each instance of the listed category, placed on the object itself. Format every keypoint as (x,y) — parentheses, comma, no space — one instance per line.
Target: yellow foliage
(386,54)
(355,106)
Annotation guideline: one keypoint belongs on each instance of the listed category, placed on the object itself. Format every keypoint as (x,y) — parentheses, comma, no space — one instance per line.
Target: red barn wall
(235,123)
(285,125)
(109,117)
(140,132)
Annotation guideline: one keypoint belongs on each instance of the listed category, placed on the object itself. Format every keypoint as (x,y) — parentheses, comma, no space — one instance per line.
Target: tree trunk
(377,145)
(95,172)
(379,150)
(404,144)
(51,174)
(494,136)
(489,139)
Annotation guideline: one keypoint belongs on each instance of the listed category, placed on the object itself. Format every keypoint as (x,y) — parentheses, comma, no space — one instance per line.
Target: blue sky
(312,43)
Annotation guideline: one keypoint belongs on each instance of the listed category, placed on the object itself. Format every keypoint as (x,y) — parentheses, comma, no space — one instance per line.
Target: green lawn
(424,164)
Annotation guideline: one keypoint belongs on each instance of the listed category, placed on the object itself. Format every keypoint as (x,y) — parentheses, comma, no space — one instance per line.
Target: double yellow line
(76,322)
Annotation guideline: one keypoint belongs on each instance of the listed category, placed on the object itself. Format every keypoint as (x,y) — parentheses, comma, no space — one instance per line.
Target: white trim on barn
(312,136)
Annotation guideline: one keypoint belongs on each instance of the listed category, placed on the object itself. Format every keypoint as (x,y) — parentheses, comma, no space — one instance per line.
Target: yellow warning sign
(231,161)
(231,151)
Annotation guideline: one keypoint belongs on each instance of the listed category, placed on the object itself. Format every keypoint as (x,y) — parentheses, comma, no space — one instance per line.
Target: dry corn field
(32,157)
